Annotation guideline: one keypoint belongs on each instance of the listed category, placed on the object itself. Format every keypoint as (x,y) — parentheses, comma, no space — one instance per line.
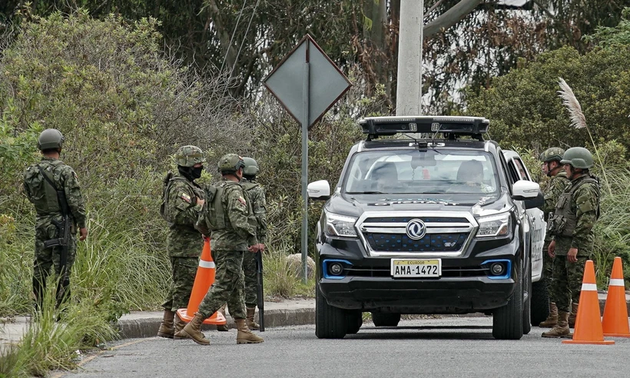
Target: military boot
(552,319)
(222,327)
(244,335)
(573,315)
(193,330)
(251,323)
(562,328)
(179,325)
(166,327)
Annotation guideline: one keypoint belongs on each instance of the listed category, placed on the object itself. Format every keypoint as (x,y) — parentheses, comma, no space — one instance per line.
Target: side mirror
(529,192)
(318,190)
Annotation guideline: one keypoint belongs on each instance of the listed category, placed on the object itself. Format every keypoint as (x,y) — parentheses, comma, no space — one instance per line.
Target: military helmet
(50,139)
(551,154)
(251,167)
(188,156)
(578,157)
(230,163)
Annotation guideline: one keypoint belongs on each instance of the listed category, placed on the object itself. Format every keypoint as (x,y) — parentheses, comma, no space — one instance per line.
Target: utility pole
(409,82)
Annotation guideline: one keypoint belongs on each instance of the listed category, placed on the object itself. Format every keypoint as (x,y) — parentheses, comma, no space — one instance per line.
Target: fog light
(497,269)
(336,268)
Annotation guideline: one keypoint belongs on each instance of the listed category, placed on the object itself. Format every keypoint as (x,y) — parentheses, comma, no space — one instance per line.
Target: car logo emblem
(416,229)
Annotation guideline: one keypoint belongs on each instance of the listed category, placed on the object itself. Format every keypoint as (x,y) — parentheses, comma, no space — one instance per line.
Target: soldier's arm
(183,204)
(72,190)
(260,212)
(238,214)
(586,213)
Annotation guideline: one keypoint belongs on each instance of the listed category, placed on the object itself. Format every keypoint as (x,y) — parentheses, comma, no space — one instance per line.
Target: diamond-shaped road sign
(326,83)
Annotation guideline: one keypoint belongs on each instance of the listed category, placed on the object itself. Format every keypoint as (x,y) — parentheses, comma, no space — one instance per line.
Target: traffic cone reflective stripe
(588,323)
(615,322)
(203,280)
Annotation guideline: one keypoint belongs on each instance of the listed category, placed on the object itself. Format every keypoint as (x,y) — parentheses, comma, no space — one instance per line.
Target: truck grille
(444,234)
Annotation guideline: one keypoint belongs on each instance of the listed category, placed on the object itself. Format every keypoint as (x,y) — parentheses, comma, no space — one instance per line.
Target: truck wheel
(354,321)
(330,322)
(507,321)
(540,301)
(385,320)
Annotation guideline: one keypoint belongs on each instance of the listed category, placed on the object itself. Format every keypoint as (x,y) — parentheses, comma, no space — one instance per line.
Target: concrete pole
(409,83)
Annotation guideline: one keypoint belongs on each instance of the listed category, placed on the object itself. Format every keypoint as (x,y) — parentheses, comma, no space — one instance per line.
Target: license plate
(416,268)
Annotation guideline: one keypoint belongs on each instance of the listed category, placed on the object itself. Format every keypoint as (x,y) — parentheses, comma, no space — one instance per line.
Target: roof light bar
(377,126)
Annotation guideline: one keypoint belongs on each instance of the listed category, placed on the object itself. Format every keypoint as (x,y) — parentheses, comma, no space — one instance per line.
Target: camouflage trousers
(228,285)
(47,258)
(183,274)
(547,268)
(250,270)
(567,281)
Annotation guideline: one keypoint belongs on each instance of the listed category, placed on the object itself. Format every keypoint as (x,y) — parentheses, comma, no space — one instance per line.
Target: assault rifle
(261,295)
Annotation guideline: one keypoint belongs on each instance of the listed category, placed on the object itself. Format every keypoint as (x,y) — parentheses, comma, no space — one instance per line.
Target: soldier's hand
(572,255)
(256,248)
(200,201)
(551,250)
(82,233)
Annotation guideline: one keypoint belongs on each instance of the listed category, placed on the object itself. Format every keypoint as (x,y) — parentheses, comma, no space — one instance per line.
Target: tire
(330,322)
(507,321)
(540,301)
(527,301)
(354,321)
(385,320)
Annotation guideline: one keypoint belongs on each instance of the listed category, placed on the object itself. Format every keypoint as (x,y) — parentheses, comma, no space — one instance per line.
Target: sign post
(307,83)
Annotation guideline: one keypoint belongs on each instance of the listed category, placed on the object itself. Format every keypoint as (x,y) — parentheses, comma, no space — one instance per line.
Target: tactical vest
(563,220)
(168,181)
(42,193)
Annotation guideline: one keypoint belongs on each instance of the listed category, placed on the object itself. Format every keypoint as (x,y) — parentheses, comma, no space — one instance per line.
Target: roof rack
(450,126)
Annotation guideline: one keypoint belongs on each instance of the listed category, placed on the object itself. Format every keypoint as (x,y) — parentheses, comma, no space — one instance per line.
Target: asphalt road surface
(447,347)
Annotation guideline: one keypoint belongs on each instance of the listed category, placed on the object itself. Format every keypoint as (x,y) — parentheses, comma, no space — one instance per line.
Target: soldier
(551,166)
(182,201)
(256,194)
(53,187)
(230,243)
(571,226)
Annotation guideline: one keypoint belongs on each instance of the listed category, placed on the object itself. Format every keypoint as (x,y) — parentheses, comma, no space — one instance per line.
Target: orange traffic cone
(588,323)
(615,321)
(203,280)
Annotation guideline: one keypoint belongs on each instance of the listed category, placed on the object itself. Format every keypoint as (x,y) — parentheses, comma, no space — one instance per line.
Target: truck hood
(355,205)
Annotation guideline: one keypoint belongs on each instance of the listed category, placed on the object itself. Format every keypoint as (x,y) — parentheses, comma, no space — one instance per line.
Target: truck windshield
(421,172)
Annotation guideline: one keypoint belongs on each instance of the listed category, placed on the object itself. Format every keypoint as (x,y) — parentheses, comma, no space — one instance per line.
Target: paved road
(420,348)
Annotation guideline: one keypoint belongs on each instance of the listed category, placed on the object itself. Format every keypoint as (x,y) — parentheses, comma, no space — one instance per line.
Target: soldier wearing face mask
(182,202)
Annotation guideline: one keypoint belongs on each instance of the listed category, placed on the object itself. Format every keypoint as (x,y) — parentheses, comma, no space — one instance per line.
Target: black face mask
(190,173)
(196,172)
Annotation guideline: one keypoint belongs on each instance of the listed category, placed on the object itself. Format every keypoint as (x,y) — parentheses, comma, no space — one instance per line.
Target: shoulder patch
(185,197)
(242,200)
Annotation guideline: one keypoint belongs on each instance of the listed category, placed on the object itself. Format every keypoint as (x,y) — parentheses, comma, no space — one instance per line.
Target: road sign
(326,82)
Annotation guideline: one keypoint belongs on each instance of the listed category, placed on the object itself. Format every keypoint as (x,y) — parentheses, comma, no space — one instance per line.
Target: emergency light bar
(376,126)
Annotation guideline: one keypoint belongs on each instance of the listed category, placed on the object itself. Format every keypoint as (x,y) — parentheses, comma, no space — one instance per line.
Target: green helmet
(251,167)
(50,139)
(187,156)
(230,163)
(578,157)
(552,154)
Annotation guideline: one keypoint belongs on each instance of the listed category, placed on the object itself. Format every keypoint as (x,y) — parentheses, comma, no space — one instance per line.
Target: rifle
(261,295)
(63,238)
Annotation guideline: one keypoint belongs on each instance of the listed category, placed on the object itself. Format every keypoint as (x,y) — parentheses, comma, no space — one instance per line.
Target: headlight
(494,225)
(339,225)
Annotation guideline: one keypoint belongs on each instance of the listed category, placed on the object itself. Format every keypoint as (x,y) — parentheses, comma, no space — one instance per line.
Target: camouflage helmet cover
(578,157)
(50,139)
(551,154)
(230,163)
(188,156)
(251,167)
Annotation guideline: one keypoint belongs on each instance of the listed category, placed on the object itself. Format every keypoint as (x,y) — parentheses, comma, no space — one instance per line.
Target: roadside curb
(148,326)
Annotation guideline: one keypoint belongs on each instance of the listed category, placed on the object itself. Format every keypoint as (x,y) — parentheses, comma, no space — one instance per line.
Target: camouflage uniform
(229,246)
(555,187)
(583,194)
(256,196)
(44,197)
(184,243)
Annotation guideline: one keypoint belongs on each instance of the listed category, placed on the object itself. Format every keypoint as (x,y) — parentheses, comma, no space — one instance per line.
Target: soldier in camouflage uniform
(230,243)
(571,226)
(558,181)
(42,183)
(256,194)
(182,202)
